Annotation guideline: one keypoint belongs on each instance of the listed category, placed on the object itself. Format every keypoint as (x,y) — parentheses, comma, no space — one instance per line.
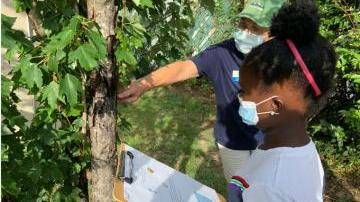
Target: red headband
(304,69)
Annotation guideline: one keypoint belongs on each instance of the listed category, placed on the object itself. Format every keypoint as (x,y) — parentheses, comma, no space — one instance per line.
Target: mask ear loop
(267,99)
(272,113)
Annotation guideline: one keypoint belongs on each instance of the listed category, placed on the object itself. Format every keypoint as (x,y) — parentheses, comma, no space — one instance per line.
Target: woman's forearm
(169,74)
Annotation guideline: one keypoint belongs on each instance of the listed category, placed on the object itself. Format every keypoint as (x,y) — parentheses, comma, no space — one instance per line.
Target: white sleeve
(264,193)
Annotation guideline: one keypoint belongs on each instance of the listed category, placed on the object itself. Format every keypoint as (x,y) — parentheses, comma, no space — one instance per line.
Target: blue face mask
(245,41)
(248,112)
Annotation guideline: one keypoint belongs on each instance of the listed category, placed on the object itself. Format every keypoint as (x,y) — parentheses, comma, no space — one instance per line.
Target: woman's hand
(132,93)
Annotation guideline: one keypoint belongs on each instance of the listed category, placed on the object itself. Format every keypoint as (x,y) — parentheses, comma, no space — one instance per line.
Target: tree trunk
(102,116)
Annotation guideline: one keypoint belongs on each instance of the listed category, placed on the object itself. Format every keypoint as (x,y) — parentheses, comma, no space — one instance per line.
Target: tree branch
(35,20)
(83,100)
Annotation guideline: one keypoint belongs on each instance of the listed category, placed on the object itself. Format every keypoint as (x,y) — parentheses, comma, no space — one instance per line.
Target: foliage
(153,35)
(226,19)
(46,159)
(214,22)
(337,129)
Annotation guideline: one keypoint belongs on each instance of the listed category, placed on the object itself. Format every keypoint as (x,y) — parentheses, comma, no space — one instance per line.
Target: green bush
(336,129)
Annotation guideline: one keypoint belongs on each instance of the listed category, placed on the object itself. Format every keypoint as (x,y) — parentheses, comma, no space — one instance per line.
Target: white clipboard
(153,181)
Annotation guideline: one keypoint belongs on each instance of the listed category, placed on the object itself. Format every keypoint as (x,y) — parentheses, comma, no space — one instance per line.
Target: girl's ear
(277,104)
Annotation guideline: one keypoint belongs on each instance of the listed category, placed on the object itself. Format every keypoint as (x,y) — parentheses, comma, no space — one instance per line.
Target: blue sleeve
(208,62)
(234,194)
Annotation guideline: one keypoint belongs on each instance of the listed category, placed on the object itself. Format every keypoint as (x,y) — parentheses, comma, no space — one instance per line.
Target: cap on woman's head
(261,11)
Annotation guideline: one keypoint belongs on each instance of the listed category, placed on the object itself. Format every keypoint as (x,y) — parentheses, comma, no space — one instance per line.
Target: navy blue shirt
(217,63)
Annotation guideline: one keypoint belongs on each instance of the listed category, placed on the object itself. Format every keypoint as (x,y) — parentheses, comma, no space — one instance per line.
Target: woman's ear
(277,104)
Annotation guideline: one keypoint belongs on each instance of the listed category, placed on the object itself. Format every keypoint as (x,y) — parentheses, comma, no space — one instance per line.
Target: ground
(175,126)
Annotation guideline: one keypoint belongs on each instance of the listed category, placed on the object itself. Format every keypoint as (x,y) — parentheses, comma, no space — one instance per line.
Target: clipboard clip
(122,175)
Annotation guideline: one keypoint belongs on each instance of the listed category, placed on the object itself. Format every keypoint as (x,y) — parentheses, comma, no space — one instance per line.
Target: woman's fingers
(130,99)
(129,95)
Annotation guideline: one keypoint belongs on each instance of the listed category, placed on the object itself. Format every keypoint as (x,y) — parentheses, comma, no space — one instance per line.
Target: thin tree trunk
(35,20)
(102,118)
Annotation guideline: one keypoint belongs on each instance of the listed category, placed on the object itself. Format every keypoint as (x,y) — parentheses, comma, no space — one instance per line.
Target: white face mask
(245,41)
(248,111)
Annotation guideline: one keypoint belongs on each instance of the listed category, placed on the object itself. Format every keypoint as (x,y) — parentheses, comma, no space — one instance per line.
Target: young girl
(284,82)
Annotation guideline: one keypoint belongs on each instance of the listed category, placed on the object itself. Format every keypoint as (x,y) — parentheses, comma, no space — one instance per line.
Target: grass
(342,180)
(175,126)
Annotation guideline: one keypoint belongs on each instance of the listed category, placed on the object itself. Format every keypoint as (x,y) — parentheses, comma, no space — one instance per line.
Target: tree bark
(102,116)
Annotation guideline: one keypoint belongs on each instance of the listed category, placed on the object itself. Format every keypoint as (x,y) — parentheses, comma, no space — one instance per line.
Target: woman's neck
(291,134)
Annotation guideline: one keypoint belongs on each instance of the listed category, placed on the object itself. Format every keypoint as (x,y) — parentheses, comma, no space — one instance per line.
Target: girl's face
(286,101)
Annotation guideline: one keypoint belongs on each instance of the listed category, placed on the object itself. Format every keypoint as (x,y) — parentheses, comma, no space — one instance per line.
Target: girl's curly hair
(273,61)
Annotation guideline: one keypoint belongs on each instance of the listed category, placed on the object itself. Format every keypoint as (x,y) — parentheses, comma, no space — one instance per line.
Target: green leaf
(138,28)
(5,130)
(53,63)
(136,2)
(147,3)
(99,42)
(123,55)
(65,37)
(56,173)
(75,110)
(9,184)
(7,21)
(51,94)
(86,55)
(70,86)
(23,63)
(54,60)
(47,135)
(208,5)
(74,23)
(60,41)
(22,5)
(34,172)
(32,75)
(18,120)
(60,55)
(136,42)
(11,37)
(77,124)
(77,167)
(10,53)
(43,115)
(74,196)
(354,77)
(6,87)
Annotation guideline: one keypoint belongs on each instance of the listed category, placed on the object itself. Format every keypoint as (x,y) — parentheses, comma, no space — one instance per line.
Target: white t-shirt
(279,174)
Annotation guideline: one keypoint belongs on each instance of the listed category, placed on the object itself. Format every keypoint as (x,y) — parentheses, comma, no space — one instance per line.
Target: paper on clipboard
(154,181)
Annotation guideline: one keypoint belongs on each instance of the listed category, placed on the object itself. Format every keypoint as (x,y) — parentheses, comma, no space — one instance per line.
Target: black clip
(122,176)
